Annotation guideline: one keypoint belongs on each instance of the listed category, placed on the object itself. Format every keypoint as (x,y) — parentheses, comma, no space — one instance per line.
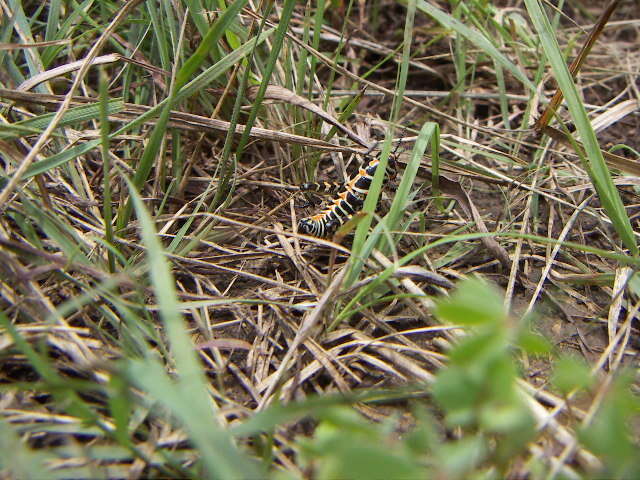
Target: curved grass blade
(429,133)
(594,161)
(187,398)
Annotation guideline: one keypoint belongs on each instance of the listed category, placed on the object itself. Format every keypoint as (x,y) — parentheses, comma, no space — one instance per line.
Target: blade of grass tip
(475,38)
(278,40)
(358,258)
(596,166)
(107,211)
(189,399)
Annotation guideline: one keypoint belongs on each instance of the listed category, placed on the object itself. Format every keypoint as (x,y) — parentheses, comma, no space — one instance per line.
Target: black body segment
(329,188)
(349,199)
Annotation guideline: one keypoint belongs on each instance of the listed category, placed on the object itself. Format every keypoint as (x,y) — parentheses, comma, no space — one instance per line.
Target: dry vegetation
(161,317)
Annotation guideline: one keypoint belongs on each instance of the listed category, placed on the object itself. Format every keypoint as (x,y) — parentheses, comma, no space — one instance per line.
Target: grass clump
(160,315)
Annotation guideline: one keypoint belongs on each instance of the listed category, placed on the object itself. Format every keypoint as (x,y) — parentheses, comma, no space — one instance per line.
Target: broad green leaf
(473,303)
(570,373)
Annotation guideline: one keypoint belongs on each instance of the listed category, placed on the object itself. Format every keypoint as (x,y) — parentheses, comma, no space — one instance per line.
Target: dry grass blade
(14,46)
(577,63)
(275,92)
(181,120)
(623,275)
(624,164)
(64,69)
(44,137)
(309,323)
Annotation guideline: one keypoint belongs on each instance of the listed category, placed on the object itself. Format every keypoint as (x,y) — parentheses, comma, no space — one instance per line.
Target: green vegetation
(160,316)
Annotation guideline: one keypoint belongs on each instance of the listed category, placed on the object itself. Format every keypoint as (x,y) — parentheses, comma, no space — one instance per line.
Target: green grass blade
(58,231)
(224,64)
(188,399)
(475,38)
(74,115)
(429,134)
(60,158)
(596,166)
(107,209)
(197,84)
(53,18)
(359,256)
(157,137)
(18,460)
(388,272)
(211,39)
(279,36)
(159,30)
(22,23)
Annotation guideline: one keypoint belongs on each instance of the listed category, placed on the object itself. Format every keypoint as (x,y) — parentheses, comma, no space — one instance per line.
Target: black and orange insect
(348,200)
